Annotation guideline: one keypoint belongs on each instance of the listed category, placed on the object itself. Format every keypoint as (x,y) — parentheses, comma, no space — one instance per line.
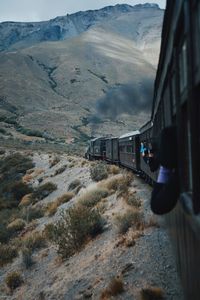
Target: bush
(115,287)
(12,189)
(34,241)
(128,219)
(26,200)
(65,198)
(114,169)
(74,184)
(152,293)
(133,200)
(54,162)
(16,225)
(91,197)
(76,226)
(43,191)
(52,207)
(99,172)
(27,260)
(13,280)
(5,234)
(60,170)
(32,213)
(7,254)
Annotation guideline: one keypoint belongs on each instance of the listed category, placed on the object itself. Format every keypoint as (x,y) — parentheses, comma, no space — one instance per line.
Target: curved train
(176,102)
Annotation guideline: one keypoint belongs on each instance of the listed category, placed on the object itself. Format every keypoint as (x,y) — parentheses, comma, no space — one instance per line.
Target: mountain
(80,75)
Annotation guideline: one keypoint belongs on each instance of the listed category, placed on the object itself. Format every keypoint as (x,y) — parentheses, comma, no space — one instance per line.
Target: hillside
(126,255)
(95,76)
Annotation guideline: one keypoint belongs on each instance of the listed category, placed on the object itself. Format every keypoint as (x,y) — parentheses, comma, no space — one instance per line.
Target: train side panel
(129,146)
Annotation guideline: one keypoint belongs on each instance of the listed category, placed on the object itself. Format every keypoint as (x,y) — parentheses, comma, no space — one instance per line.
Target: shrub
(54,162)
(34,241)
(133,200)
(13,280)
(27,260)
(91,197)
(99,171)
(65,198)
(74,184)
(111,183)
(12,189)
(152,293)
(115,287)
(128,219)
(32,213)
(60,170)
(52,207)
(5,234)
(43,191)
(16,225)
(113,169)
(26,200)
(76,226)
(7,254)
(2,151)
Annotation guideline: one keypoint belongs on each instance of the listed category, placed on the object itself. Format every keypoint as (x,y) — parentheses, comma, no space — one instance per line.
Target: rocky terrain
(121,261)
(79,75)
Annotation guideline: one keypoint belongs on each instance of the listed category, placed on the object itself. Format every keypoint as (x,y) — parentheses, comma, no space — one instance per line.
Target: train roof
(129,134)
(98,138)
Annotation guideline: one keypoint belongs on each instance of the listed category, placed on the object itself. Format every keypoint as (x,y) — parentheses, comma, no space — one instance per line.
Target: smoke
(127,98)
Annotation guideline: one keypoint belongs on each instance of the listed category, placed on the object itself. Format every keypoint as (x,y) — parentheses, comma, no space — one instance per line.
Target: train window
(173,87)
(183,67)
(189,156)
(129,149)
(167,107)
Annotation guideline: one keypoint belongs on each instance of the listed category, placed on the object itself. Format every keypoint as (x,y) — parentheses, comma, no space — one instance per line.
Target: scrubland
(74,229)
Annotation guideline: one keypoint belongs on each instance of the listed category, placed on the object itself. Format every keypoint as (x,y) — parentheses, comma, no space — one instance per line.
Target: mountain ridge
(87,85)
(61,27)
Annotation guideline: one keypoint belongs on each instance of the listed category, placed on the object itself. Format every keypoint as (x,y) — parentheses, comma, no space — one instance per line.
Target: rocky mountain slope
(80,75)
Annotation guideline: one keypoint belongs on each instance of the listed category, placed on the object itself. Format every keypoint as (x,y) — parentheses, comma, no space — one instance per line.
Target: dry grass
(152,222)
(74,184)
(7,254)
(52,207)
(115,287)
(99,171)
(54,161)
(43,191)
(113,169)
(60,170)
(152,293)
(16,225)
(133,200)
(131,218)
(13,280)
(26,200)
(91,197)
(33,241)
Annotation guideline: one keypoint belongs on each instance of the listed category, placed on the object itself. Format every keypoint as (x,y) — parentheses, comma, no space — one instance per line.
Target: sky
(38,10)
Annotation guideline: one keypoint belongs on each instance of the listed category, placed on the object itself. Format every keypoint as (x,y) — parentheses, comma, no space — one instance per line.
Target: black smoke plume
(128,98)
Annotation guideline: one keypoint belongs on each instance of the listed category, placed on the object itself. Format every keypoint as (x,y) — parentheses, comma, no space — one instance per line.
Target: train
(176,102)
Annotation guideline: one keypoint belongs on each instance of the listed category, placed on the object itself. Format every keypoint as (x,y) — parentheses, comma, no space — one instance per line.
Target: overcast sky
(37,10)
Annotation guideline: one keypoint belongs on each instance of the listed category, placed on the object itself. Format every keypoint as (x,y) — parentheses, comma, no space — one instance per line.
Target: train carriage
(112,150)
(176,102)
(129,150)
